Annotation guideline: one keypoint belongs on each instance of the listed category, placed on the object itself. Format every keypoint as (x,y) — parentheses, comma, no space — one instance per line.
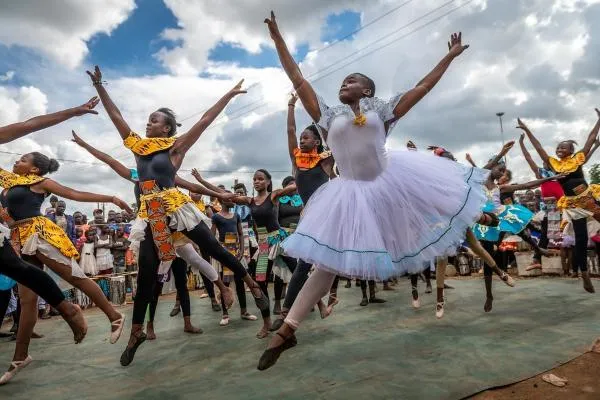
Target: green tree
(595,174)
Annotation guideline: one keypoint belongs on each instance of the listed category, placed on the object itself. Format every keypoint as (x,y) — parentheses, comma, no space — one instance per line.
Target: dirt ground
(582,374)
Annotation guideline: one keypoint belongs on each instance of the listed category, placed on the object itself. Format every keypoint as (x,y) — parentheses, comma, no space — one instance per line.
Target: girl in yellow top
(42,242)
(580,204)
(163,208)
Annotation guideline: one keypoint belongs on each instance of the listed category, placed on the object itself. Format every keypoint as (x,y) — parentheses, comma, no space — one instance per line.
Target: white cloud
(514,65)
(7,76)
(60,28)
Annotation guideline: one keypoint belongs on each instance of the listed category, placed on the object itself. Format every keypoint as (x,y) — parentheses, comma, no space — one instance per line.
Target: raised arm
(589,143)
(187,140)
(11,132)
(505,149)
(305,91)
(470,160)
(291,129)
(413,96)
(536,143)
(109,106)
(532,164)
(593,150)
(528,185)
(68,193)
(116,166)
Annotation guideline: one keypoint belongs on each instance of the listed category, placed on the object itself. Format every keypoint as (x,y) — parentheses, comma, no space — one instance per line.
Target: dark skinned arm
(204,182)
(528,185)
(50,186)
(11,132)
(291,130)
(532,164)
(187,140)
(413,96)
(277,193)
(115,165)
(109,106)
(589,143)
(536,143)
(305,91)
(505,149)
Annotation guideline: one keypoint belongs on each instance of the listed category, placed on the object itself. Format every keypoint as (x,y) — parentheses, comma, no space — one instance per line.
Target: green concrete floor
(387,351)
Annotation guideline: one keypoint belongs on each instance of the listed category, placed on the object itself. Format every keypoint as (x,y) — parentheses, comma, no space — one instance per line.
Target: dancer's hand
(77,139)
(410,145)
(87,108)
(455,46)
(468,157)
(293,99)
(597,112)
(521,125)
(96,76)
(121,204)
(272,25)
(508,145)
(196,174)
(237,89)
(560,176)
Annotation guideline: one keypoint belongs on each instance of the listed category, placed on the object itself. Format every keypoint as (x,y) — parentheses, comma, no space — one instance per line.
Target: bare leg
(29,315)
(86,285)
(478,249)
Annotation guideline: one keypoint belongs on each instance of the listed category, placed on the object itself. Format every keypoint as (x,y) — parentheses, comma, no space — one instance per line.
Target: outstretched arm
(528,158)
(589,143)
(201,189)
(11,132)
(291,129)
(505,149)
(187,140)
(68,193)
(277,193)
(205,183)
(528,185)
(413,96)
(536,143)
(109,106)
(305,91)
(116,166)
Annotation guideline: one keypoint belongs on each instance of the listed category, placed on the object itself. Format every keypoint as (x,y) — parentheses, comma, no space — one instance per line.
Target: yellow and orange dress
(580,200)
(162,206)
(30,231)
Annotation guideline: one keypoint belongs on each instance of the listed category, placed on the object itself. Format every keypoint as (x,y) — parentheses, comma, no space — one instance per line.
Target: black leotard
(158,167)
(265,215)
(22,203)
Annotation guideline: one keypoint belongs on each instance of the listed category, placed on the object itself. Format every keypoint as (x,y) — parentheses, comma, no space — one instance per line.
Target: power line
(208,171)
(325,47)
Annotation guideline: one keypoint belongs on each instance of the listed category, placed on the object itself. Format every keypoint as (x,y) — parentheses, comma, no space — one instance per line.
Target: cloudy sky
(528,58)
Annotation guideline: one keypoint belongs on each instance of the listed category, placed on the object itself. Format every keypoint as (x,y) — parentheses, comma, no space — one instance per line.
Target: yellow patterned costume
(22,231)
(165,210)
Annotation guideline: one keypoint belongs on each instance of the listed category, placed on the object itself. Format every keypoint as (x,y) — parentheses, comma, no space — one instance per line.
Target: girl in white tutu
(384,215)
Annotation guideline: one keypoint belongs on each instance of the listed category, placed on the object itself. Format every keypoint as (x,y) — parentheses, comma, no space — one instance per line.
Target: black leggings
(178,270)
(277,282)
(489,247)
(240,291)
(298,280)
(149,262)
(581,242)
(5,296)
(29,276)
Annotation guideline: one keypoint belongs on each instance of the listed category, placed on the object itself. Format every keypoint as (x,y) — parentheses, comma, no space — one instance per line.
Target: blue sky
(130,48)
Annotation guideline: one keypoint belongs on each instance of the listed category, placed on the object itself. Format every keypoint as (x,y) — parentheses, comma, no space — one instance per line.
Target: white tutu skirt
(418,208)
(104,260)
